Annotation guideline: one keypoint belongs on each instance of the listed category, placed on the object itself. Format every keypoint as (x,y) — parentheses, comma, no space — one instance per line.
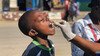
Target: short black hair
(24,21)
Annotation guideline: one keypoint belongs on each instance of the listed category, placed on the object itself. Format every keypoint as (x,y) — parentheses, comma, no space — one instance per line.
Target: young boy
(37,25)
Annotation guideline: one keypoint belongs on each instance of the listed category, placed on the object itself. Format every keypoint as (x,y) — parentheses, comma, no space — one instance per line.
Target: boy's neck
(43,41)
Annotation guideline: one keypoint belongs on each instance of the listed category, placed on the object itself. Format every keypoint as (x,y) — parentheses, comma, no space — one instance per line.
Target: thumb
(57,24)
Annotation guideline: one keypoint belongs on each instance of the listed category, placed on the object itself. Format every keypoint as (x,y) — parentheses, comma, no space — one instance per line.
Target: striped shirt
(36,49)
(82,28)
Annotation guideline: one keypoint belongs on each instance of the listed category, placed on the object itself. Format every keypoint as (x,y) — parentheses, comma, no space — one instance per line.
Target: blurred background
(13,42)
(13,9)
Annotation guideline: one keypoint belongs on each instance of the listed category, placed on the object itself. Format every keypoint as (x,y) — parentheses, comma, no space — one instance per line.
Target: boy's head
(35,22)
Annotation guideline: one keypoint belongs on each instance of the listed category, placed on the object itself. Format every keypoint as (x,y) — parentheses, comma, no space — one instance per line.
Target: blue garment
(62,1)
(36,49)
(81,28)
(76,51)
(35,3)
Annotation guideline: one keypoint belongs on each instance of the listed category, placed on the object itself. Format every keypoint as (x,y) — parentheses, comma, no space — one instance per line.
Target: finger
(57,24)
(60,23)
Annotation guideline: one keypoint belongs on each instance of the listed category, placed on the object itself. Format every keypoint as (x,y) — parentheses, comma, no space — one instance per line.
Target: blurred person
(22,5)
(73,9)
(6,5)
(78,8)
(66,11)
(36,24)
(47,5)
(90,47)
(87,28)
(62,1)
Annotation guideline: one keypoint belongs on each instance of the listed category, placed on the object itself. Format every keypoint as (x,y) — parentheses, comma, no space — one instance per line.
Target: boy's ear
(32,33)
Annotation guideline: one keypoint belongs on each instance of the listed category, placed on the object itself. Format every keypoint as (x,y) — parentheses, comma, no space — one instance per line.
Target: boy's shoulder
(34,48)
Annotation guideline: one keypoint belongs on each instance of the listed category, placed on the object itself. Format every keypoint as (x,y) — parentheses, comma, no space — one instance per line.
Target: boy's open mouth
(51,25)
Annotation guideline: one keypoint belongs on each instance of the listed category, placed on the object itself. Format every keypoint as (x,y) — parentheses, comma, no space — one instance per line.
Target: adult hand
(66,29)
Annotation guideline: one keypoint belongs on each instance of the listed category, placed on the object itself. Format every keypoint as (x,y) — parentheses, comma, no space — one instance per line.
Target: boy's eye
(43,19)
(40,20)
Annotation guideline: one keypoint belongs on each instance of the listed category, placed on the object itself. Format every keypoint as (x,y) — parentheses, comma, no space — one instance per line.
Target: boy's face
(43,24)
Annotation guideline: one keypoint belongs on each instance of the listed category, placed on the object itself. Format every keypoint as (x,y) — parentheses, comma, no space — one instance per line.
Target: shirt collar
(41,46)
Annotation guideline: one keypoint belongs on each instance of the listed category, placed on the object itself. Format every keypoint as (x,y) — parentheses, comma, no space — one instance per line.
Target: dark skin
(87,46)
(41,27)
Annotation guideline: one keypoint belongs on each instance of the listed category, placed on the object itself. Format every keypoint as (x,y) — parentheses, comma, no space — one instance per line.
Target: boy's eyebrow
(40,14)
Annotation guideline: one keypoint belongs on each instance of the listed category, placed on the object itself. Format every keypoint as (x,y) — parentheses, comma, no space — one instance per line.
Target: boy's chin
(52,34)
